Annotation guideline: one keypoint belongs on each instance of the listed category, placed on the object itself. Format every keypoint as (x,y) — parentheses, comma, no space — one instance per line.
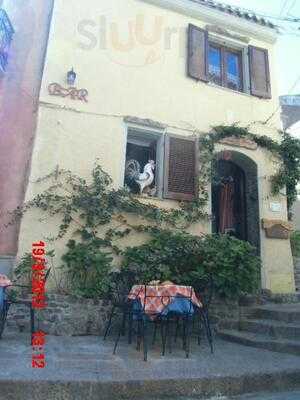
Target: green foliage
(88,268)
(24,269)
(289,173)
(93,208)
(295,243)
(92,204)
(287,151)
(187,259)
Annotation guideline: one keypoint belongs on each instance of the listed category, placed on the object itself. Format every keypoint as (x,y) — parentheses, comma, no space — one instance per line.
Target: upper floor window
(228,66)
(225,67)
(6,34)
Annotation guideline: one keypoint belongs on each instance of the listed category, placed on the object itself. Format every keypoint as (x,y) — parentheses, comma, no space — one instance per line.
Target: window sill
(230,90)
(246,94)
(165,203)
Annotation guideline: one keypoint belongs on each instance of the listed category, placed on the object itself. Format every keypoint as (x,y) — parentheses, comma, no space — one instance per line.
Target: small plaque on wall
(275,207)
(277,229)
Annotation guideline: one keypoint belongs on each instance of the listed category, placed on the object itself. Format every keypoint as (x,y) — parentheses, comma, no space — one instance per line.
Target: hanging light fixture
(71,77)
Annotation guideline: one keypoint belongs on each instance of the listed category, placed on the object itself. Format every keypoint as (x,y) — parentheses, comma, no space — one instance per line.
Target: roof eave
(215,16)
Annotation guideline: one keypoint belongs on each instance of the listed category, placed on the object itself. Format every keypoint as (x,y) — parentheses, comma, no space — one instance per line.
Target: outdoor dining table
(156,300)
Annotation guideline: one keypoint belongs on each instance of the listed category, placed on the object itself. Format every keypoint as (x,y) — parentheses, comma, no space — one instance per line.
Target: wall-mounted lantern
(71,77)
(55,89)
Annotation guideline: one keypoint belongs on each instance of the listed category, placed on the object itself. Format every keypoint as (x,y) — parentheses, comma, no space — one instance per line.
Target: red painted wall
(19,93)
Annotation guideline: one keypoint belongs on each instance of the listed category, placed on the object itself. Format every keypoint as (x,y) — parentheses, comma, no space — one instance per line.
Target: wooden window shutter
(181,168)
(259,72)
(198,53)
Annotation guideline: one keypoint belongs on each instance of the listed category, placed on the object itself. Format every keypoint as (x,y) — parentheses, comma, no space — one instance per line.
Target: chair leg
(163,337)
(184,334)
(139,335)
(199,330)
(208,330)
(108,325)
(130,328)
(124,324)
(188,336)
(154,333)
(117,341)
(168,336)
(176,329)
(145,343)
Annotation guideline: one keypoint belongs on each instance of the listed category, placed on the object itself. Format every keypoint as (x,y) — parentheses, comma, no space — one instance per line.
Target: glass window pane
(233,71)
(214,62)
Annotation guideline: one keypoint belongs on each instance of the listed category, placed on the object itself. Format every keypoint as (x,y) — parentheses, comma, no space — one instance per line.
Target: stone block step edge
(146,390)
(261,341)
(271,328)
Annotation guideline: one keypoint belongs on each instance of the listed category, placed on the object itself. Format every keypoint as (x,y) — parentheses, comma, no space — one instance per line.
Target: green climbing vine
(92,204)
(287,151)
(99,216)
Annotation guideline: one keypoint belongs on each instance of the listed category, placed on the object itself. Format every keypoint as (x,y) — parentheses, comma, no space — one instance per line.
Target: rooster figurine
(133,174)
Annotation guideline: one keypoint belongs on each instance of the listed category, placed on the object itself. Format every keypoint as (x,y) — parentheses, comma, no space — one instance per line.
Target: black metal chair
(205,291)
(180,318)
(141,318)
(122,282)
(10,301)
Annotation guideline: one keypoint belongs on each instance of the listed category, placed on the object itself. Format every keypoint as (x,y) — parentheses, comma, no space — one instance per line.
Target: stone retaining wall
(297,273)
(72,316)
(64,315)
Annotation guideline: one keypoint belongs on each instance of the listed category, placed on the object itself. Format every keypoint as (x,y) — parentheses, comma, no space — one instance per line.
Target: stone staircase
(297,274)
(271,326)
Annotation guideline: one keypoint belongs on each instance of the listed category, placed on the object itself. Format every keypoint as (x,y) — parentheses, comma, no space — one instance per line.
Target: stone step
(272,329)
(288,313)
(261,341)
(290,298)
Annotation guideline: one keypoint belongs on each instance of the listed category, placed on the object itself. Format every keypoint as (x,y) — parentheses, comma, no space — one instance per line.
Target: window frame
(155,134)
(225,48)
(160,135)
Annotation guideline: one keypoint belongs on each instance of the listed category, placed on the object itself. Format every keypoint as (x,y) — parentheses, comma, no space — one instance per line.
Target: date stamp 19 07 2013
(38,281)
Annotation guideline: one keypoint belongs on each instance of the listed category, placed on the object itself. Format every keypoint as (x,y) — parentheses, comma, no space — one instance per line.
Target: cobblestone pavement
(83,367)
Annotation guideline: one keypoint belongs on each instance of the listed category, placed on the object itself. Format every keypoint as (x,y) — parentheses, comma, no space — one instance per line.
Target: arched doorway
(235,200)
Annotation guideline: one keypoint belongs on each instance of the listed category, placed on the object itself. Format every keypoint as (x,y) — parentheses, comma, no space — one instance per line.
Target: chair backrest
(122,283)
(205,290)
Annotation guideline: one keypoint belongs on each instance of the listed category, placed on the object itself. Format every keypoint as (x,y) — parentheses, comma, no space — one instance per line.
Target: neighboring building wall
(296,217)
(290,115)
(290,110)
(19,91)
(144,78)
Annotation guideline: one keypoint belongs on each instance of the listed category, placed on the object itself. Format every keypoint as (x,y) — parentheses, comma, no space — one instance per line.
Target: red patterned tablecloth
(4,281)
(158,297)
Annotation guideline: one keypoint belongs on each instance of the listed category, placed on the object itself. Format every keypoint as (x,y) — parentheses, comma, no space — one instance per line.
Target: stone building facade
(149,74)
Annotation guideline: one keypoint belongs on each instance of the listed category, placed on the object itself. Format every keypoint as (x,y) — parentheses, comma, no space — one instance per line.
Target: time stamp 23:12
(38,281)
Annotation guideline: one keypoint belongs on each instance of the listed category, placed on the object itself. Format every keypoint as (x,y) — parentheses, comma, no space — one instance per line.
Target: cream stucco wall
(130,74)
